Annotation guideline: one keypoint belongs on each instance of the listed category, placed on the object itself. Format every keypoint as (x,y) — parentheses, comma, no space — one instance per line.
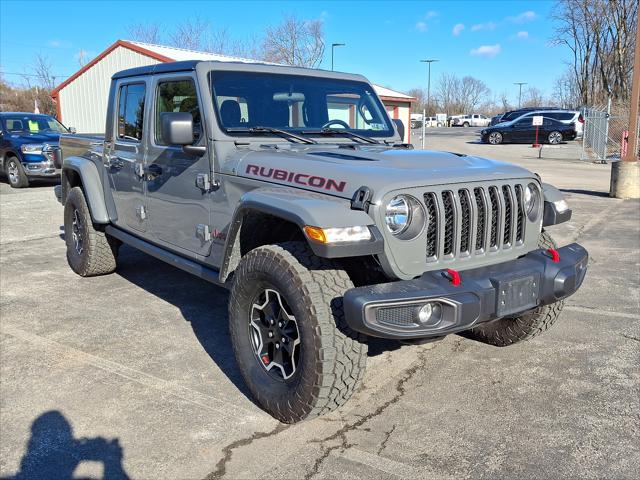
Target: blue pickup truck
(29,147)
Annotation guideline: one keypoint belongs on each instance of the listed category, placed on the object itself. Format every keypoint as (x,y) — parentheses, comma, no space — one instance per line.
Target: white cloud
(522,35)
(458,27)
(527,16)
(484,26)
(422,25)
(488,51)
(58,44)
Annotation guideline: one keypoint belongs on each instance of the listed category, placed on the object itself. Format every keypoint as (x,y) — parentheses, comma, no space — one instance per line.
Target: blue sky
(499,42)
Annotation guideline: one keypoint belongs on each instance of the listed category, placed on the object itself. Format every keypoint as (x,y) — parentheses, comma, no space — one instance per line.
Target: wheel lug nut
(272,321)
(280,324)
(277,346)
(270,334)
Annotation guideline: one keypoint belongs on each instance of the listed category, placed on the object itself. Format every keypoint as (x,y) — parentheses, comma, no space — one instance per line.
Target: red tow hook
(453,276)
(555,256)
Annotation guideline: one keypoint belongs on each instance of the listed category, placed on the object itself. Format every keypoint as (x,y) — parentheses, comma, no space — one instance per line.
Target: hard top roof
(190,65)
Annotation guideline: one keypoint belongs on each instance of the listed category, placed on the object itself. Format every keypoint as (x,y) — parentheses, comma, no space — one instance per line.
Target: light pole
(424,118)
(333,46)
(520,94)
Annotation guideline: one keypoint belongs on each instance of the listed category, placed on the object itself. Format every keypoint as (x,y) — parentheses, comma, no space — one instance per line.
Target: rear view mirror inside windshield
(288,97)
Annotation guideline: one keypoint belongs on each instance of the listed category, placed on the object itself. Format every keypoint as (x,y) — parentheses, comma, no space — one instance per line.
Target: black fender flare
(91,186)
(300,208)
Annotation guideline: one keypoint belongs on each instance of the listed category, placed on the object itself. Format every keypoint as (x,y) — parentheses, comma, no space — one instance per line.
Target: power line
(31,74)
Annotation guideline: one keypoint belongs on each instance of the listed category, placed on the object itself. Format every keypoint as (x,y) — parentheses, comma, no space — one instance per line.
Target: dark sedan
(522,130)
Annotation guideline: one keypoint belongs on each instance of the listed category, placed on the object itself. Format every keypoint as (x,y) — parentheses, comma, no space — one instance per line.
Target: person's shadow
(53,452)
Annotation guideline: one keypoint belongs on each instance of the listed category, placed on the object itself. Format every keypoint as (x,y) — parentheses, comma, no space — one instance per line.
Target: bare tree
(295,42)
(421,99)
(565,91)
(191,34)
(43,72)
(533,98)
(601,36)
(145,32)
(464,95)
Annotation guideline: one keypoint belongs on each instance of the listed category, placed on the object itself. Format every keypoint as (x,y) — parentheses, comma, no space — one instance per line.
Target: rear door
(179,209)
(124,155)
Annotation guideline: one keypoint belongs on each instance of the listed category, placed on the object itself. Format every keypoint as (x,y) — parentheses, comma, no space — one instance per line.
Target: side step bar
(194,268)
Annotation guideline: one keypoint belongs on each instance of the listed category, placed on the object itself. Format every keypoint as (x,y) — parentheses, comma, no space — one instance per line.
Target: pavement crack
(630,337)
(221,466)
(385,440)
(355,425)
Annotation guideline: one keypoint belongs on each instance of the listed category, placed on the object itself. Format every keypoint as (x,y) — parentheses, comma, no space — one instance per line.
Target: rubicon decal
(295,177)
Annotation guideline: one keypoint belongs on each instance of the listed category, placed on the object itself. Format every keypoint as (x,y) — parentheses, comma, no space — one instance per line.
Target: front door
(179,208)
(124,156)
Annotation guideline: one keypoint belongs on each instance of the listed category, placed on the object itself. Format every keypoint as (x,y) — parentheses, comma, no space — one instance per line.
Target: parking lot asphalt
(132,374)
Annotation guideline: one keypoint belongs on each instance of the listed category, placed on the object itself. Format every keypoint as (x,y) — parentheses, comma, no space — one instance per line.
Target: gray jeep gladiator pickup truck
(292,188)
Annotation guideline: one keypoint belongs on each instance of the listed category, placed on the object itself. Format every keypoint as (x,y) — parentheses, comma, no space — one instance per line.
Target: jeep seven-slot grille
(473,221)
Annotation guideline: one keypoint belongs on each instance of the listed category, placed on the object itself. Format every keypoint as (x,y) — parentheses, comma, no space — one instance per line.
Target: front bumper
(389,310)
(41,169)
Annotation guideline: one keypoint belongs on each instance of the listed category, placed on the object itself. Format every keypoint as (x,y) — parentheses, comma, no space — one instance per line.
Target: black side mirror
(73,130)
(400,127)
(177,128)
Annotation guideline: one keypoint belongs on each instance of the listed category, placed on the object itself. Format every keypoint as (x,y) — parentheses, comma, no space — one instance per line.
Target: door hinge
(203,232)
(203,182)
(141,212)
(139,170)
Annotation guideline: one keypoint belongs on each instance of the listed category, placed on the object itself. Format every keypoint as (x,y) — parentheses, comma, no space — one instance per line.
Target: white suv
(474,120)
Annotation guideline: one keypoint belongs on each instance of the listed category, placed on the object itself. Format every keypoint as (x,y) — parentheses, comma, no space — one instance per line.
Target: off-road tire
(20,179)
(332,357)
(100,251)
(510,330)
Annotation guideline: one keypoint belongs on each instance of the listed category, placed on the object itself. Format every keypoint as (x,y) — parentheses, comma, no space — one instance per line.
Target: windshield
(302,104)
(32,123)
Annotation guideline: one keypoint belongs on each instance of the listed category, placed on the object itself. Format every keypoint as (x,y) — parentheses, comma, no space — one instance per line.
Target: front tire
(16,174)
(495,138)
(90,252)
(284,295)
(465,124)
(510,330)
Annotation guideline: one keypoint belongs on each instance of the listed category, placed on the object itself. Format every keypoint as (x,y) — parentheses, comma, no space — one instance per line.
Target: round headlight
(398,215)
(405,217)
(532,202)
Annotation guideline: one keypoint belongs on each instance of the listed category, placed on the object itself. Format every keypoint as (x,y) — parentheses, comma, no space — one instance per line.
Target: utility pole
(625,174)
(429,62)
(333,46)
(520,94)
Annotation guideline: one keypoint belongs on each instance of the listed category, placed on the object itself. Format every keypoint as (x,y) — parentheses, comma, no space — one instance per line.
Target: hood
(24,137)
(341,171)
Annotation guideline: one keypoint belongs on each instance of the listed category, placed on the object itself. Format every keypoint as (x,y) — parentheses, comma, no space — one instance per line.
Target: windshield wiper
(275,131)
(346,133)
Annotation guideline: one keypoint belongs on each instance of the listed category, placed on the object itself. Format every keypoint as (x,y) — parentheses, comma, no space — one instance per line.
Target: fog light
(430,313)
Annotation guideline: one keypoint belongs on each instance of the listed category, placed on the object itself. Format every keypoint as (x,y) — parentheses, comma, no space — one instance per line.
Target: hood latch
(361,199)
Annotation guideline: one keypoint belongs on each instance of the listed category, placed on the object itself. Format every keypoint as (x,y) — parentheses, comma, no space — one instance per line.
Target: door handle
(153,171)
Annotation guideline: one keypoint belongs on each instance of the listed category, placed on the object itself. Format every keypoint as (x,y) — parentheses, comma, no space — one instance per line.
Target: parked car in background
(29,147)
(474,120)
(522,130)
(513,114)
(496,119)
(434,122)
(568,117)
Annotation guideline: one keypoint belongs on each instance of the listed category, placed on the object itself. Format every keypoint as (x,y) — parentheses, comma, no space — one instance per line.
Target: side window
(178,96)
(131,111)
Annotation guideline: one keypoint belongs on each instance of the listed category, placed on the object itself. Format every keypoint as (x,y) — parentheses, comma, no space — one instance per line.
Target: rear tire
(555,138)
(15,173)
(330,358)
(465,124)
(510,330)
(90,252)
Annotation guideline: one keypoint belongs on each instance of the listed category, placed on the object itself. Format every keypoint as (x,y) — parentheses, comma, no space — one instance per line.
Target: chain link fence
(604,135)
